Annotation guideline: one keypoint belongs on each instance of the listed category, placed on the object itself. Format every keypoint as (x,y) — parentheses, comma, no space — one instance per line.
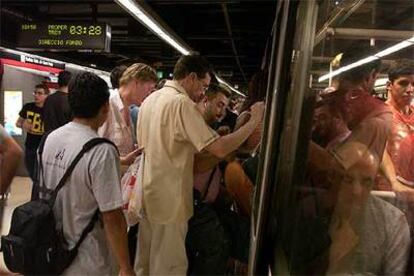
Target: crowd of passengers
(198,155)
(186,130)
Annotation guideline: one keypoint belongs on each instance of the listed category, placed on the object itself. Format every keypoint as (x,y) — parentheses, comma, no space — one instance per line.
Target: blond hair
(138,71)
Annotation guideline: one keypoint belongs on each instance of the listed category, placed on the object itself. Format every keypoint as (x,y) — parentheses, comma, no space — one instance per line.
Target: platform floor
(20,193)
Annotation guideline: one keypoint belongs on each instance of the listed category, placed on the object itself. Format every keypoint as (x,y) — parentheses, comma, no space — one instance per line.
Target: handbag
(131,184)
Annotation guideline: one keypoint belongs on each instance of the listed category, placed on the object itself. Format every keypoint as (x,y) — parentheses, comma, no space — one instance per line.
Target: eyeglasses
(205,86)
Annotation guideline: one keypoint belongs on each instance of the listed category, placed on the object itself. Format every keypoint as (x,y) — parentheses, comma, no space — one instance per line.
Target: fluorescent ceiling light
(348,67)
(135,10)
(359,63)
(174,44)
(395,48)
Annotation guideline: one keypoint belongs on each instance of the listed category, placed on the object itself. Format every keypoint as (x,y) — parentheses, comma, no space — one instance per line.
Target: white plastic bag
(131,184)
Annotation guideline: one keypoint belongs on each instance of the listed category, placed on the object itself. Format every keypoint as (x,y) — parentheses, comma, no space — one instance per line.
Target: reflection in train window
(350,200)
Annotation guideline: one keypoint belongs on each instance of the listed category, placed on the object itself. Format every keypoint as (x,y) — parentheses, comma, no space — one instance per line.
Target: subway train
(284,238)
(316,207)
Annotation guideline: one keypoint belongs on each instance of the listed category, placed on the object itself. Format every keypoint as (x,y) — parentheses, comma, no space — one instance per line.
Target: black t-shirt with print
(33,114)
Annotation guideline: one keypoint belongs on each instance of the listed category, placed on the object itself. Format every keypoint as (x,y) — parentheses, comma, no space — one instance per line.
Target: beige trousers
(161,249)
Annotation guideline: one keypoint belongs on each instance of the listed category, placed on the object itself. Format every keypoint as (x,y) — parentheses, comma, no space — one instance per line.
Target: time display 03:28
(85,30)
(64,36)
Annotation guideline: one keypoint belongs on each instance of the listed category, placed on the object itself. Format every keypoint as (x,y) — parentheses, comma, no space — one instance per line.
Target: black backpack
(34,245)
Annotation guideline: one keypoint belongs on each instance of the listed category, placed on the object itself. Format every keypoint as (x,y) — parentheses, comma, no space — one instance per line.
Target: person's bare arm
(12,154)
(242,120)
(229,143)
(388,169)
(19,122)
(116,234)
(205,161)
(24,124)
(130,157)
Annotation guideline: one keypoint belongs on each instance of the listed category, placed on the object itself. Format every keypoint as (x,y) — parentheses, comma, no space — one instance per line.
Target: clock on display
(64,36)
(85,30)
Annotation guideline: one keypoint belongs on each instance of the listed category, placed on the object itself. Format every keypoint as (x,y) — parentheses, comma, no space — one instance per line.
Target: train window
(341,195)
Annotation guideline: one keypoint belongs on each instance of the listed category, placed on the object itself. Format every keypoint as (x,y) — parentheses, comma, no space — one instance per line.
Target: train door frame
(287,131)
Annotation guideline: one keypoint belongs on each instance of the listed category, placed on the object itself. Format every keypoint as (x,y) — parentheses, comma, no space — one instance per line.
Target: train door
(294,229)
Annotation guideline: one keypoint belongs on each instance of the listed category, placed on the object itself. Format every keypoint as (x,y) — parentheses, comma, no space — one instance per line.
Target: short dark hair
(64,78)
(353,54)
(214,89)
(88,93)
(116,75)
(400,68)
(191,64)
(44,87)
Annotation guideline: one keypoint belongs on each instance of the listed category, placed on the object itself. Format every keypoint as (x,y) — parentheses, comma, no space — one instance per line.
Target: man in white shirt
(94,183)
(136,83)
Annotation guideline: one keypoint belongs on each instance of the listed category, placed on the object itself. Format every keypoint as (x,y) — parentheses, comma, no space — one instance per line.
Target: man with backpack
(215,232)
(93,184)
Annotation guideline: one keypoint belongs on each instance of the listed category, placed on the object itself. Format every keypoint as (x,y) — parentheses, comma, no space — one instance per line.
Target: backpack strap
(37,188)
(210,179)
(87,229)
(88,146)
(43,141)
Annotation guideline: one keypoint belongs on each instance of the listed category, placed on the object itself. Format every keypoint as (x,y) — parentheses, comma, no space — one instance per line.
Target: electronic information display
(64,36)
